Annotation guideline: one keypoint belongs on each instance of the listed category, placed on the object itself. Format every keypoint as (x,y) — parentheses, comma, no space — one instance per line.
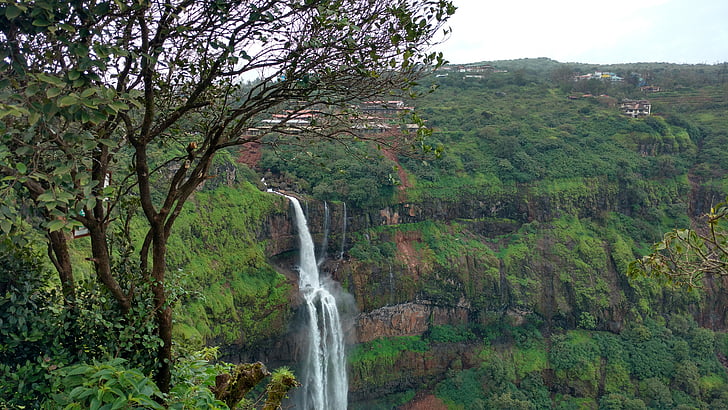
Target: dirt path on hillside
(401,173)
(406,251)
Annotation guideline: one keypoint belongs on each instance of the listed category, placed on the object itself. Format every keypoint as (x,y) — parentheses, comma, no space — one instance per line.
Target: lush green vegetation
(654,364)
(361,175)
(232,294)
(650,365)
(516,136)
(116,106)
(85,355)
(384,352)
(531,216)
(538,206)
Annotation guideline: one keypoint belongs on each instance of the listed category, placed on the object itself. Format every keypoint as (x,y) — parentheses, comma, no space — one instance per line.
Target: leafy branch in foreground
(104,100)
(685,257)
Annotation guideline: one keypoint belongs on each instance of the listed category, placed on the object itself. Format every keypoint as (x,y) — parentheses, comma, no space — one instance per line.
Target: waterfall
(343,235)
(323,375)
(391,284)
(325,240)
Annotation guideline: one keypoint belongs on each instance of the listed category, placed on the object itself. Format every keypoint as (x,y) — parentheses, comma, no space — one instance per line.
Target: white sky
(589,31)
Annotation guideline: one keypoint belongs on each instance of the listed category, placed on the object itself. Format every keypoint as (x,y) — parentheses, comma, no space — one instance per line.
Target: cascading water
(343,235)
(325,240)
(323,376)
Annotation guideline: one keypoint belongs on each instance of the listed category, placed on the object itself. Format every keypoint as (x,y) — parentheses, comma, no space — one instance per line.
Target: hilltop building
(636,108)
(650,89)
(474,70)
(369,117)
(599,75)
(469,68)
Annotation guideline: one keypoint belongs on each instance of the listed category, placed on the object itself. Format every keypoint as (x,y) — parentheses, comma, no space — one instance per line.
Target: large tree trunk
(162,309)
(102,265)
(58,253)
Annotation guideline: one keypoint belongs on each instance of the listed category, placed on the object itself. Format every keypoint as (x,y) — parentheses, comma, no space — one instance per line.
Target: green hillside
(542,196)
(511,244)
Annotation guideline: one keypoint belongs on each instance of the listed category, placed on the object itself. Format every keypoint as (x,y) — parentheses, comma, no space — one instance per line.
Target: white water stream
(343,235)
(323,375)
(325,241)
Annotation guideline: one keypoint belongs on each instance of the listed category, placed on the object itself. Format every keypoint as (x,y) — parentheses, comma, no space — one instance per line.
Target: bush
(587,321)
(463,388)
(29,333)
(450,334)
(108,383)
(39,334)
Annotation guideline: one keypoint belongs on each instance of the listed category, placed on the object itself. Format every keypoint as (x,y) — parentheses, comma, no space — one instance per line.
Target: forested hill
(492,276)
(528,125)
(489,235)
(518,237)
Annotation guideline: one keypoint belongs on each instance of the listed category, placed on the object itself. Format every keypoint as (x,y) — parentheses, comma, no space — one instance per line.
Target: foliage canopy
(685,256)
(109,107)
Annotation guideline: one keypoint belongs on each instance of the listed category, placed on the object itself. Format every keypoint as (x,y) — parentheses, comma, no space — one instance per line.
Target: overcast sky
(590,31)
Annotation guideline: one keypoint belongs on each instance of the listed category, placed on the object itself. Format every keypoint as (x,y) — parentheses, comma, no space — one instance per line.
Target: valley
(494,275)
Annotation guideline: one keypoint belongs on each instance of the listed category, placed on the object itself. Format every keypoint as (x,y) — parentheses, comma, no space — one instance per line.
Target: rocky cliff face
(406,319)
(411,370)
(412,266)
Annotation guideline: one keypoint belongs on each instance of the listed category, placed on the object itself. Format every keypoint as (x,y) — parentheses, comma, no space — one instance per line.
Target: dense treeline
(657,364)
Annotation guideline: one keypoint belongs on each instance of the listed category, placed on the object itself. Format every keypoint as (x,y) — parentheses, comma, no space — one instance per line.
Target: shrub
(450,334)
(108,384)
(463,388)
(587,321)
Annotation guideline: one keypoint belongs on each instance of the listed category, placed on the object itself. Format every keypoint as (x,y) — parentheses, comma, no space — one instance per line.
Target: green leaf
(119,403)
(34,117)
(6,225)
(67,101)
(49,109)
(96,402)
(32,90)
(88,92)
(46,196)
(118,106)
(77,391)
(55,225)
(63,169)
(91,202)
(109,92)
(12,12)
(50,80)
(53,92)
(92,103)
(67,27)
(21,167)
(24,150)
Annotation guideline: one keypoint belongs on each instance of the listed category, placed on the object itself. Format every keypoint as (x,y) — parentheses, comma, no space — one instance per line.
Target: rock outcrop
(407,319)
(410,370)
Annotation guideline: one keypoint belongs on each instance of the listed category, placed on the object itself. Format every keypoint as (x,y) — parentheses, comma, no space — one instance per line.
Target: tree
(563,77)
(106,103)
(686,257)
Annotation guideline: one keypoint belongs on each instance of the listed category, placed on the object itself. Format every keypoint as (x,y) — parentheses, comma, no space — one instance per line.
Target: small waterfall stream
(325,241)
(323,375)
(343,235)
